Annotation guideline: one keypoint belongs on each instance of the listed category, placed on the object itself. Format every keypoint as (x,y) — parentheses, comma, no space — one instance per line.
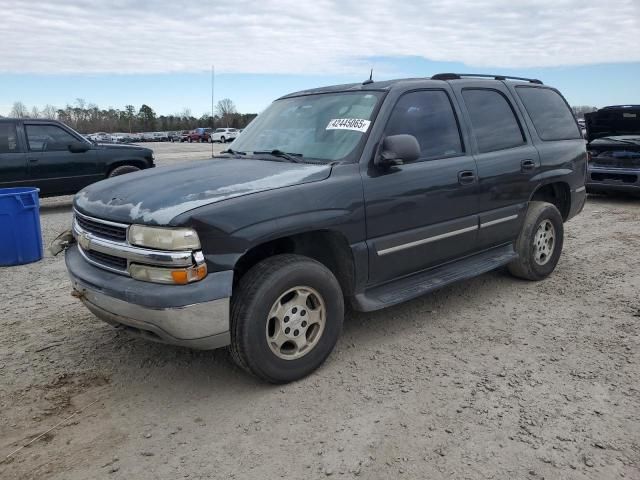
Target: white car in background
(223,135)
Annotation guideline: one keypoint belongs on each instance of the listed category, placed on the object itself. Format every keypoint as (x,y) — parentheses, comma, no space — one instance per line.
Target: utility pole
(213,72)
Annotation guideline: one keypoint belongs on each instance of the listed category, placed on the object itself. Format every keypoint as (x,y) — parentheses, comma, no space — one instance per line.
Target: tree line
(89,118)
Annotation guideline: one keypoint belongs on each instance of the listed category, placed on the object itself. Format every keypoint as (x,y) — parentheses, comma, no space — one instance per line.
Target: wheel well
(558,194)
(329,248)
(134,163)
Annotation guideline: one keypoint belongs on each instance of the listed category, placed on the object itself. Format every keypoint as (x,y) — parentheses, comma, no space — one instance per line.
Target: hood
(613,121)
(158,195)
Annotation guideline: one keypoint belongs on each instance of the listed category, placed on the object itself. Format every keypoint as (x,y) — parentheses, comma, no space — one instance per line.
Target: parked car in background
(160,136)
(175,136)
(223,135)
(147,136)
(197,135)
(613,134)
(58,160)
(369,194)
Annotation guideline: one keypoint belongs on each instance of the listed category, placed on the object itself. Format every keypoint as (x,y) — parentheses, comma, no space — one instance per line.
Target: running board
(407,288)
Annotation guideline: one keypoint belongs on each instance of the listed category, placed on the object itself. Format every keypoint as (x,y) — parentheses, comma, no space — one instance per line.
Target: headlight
(174,276)
(164,238)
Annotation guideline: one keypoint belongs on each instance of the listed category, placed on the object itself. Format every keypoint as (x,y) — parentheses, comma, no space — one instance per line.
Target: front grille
(108,260)
(103,230)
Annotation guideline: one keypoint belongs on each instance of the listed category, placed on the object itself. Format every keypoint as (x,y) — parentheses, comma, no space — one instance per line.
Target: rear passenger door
(506,158)
(13,162)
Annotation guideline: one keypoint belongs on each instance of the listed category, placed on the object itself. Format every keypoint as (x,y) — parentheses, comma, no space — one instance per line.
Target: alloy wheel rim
(295,323)
(544,242)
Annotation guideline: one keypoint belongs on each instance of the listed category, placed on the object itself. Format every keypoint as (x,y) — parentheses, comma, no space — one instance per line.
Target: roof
(400,82)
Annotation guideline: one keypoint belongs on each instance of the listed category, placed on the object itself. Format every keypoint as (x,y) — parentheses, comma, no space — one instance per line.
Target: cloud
(314,37)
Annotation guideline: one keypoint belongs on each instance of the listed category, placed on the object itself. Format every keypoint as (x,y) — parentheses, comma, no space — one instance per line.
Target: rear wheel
(122,169)
(539,244)
(286,317)
(223,140)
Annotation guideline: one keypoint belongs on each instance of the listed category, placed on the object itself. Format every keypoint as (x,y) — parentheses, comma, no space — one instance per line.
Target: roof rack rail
(458,76)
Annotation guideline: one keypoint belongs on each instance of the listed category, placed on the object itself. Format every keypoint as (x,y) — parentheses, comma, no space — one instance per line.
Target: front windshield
(321,127)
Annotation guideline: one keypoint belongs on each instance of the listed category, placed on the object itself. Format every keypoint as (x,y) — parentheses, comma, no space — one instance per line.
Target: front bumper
(601,179)
(194,315)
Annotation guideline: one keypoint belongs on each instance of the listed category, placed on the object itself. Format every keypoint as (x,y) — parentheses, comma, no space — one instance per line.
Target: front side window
(549,113)
(8,138)
(428,116)
(494,123)
(326,127)
(48,138)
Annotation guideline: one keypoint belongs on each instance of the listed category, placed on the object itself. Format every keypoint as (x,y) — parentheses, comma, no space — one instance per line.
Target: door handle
(466,177)
(526,165)
(33,159)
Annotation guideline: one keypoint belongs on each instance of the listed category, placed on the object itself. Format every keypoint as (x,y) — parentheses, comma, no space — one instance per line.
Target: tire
(223,140)
(122,169)
(539,244)
(259,291)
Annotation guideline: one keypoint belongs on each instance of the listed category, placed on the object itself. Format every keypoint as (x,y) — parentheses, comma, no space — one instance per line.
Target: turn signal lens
(173,276)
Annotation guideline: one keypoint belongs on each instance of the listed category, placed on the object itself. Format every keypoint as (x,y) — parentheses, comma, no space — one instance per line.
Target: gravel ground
(490,378)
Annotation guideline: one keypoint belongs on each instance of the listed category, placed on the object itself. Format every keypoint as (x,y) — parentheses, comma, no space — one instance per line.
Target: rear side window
(494,123)
(8,138)
(428,116)
(549,113)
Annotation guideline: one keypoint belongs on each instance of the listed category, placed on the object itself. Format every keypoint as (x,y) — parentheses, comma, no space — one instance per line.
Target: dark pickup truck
(58,160)
(368,194)
(614,149)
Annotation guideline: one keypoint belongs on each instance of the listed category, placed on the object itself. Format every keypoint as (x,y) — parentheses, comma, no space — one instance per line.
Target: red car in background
(197,135)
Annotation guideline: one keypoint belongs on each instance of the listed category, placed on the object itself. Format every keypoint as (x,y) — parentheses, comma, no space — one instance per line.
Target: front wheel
(286,316)
(539,244)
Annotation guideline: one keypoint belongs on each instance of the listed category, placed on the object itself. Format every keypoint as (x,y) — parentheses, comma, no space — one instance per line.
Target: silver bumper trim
(203,325)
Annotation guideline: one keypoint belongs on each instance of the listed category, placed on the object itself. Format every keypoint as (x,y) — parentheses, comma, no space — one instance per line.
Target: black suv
(58,160)
(371,194)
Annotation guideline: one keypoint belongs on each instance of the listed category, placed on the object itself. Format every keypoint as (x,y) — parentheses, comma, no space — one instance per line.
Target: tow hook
(78,294)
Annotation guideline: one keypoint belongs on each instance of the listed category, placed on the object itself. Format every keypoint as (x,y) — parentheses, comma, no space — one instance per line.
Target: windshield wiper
(279,153)
(233,152)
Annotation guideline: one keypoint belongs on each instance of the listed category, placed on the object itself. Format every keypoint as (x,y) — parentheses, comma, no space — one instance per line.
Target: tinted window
(428,116)
(549,113)
(8,138)
(48,138)
(494,124)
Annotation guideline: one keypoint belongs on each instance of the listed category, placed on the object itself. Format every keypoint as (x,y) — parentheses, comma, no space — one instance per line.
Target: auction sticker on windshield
(355,124)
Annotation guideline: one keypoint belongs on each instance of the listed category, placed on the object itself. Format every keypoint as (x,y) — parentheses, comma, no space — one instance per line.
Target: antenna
(370,79)
(213,71)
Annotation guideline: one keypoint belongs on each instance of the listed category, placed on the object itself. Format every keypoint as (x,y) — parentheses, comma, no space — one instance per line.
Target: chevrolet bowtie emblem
(85,241)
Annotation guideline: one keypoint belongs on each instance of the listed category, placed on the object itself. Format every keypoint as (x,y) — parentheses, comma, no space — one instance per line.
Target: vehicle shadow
(198,372)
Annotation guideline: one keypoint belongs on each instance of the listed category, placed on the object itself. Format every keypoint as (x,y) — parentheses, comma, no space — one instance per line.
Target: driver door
(424,213)
(52,167)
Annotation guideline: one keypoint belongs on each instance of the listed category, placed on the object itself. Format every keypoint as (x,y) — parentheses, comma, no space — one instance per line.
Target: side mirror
(397,150)
(78,147)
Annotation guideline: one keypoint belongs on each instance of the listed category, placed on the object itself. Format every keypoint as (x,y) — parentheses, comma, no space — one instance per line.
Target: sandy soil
(490,378)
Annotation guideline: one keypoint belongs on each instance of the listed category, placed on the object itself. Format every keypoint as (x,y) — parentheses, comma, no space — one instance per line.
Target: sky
(160,52)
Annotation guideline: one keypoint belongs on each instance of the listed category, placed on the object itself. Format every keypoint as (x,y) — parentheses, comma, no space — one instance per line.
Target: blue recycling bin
(20,237)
